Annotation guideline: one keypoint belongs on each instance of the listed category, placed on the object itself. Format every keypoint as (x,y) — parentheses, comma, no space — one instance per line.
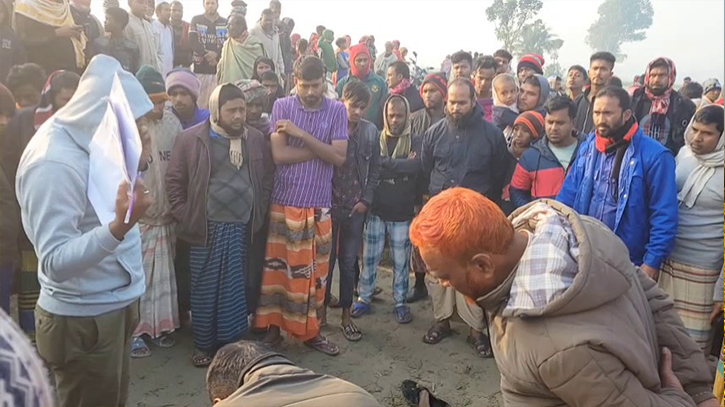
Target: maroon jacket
(187,180)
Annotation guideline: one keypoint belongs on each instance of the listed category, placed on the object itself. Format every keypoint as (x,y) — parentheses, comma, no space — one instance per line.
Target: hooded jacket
(376,85)
(472,156)
(539,174)
(277,382)
(327,53)
(397,193)
(544,93)
(622,319)
(82,269)
(646,218)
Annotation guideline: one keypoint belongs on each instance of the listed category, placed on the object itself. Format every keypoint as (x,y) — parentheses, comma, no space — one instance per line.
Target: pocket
(50,337)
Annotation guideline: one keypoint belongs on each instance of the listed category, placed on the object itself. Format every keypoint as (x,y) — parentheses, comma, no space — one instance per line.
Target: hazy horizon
(407,21)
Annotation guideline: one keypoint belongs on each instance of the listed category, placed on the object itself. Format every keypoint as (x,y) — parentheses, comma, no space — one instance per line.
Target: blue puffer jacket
(646,219)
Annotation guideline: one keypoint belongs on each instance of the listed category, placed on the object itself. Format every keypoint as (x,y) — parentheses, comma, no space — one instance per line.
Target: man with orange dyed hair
(572,320)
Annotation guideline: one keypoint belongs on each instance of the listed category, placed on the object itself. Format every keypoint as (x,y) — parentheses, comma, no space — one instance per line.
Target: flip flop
(139,348)
(403,315)
(351,332)
(482,346)
(413,392)
(436,334)
(323,345)
(200,359)
(359,309)
(164,341)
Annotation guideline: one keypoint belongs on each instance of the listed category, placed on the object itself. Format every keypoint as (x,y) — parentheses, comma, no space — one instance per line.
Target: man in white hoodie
(90,272)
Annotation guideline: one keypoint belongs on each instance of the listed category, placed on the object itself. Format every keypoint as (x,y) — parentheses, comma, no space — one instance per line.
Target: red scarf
(661,103)
(603,142)
(400,88)
(356,50)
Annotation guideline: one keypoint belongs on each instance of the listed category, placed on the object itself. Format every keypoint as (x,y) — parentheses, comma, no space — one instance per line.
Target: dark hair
(710,114)
(225,373)
(119,15)
(340,42)
(65,80)
(401,68)
(269,76)
(502,53)
(268,12)
(320,29)
(303,43)
(659,63)
(691,90)
(686,78)
(463,81)
(356,92)
(614,81)
(26,74)
(309,68)
(163,3)
(532,80)
(559,103)
(625,102)
(233,16)
(485,62)
(264,60)
(580,69)
(603,56)
(461,56)
(229,92)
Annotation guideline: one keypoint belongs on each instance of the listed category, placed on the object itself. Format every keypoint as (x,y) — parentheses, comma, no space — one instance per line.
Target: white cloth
(702,173)
(140,32)
(271,46)
(165,35)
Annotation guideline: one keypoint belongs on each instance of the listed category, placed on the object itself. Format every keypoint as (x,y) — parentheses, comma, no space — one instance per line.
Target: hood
(328,35)
(356,50)
(386,128)
(603,272)
(84,112)
(545,90)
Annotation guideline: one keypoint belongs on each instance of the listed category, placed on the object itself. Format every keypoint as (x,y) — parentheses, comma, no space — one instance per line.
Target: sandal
(200,358)
(351,332)
(482,346)
(322,344)
(436,333)
(403,315)
(139,348)
(359,309)
(164,341)
(413,393)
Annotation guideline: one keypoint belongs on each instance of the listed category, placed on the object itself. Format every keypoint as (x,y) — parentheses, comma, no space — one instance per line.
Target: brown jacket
(276,382)
(598,343)
(187,180)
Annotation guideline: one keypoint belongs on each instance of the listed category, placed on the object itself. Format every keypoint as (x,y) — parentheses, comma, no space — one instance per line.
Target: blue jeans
(400,247)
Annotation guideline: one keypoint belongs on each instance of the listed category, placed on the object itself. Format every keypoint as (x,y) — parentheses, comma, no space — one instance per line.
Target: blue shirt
(603,206)
(200,115)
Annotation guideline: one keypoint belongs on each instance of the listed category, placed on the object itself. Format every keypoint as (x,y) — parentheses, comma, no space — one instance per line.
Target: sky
(434,29)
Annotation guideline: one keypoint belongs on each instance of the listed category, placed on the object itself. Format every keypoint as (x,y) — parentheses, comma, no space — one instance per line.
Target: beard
(658,91)
(231,131)
(459,121)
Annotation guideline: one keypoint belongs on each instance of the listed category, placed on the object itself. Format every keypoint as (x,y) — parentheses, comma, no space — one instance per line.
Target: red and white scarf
(660,103)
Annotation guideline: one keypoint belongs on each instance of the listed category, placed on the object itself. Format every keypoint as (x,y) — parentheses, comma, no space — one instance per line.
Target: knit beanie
(533,61)
(439,81)
(533,121)
(186,79)
(153,83)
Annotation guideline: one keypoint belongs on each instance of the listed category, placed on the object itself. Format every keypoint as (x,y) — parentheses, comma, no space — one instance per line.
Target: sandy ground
(388,354)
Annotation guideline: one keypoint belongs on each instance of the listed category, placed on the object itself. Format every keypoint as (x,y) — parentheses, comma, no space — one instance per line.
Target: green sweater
(379,91)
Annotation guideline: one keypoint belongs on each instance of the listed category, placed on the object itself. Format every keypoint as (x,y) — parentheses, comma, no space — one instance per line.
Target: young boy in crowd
(505,98)
(353,186)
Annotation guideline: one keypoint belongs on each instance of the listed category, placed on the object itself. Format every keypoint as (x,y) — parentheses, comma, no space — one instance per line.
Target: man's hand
(653,273)
(73,31)
(359,207)
(142,202)
(716,311)
(289,128)
(667,376)
(210,57)
(411,155)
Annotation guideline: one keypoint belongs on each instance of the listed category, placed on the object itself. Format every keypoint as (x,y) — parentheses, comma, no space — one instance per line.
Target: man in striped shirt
(309,137)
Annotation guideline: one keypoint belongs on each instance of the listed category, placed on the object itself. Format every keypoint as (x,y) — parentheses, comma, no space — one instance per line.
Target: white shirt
(165,35)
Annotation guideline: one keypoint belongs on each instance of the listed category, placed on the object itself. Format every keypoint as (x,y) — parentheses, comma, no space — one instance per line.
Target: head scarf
(45,108)
(356,50)
(55,14)
(402,148)
(661,103)
(496,101)
(706,165)
(294,38)
(236,157)
(439,81)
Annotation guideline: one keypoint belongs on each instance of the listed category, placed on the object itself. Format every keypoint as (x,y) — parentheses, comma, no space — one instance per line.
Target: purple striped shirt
(308,184)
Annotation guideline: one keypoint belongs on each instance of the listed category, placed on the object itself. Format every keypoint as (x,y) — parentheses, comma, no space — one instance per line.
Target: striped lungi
(218,302)
(158,308)
(295,270)
(29,292)
(691,289)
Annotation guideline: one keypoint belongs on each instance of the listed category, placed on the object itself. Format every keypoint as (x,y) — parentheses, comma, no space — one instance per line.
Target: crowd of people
(269,161)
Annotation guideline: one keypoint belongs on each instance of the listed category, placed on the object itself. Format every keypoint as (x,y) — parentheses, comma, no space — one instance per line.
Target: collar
(300,106)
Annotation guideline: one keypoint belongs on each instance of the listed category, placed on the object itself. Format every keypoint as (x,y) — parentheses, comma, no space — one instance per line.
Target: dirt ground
(388,354)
